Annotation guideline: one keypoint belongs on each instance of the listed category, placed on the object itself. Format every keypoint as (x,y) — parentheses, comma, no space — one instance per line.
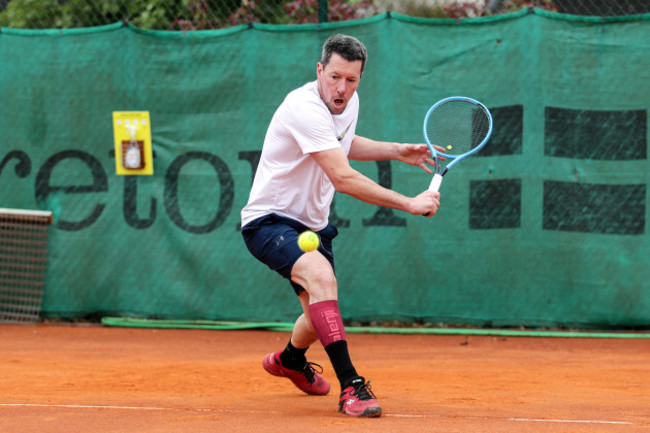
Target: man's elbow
(342,184)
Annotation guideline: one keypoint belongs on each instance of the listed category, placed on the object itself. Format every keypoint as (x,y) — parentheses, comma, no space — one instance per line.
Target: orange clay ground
(61,378)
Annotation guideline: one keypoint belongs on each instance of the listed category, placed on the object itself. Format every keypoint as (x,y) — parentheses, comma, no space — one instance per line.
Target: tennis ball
(308,241)
(449,146)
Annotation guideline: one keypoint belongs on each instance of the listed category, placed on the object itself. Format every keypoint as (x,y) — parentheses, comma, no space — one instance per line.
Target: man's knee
(322,286)
(315,274)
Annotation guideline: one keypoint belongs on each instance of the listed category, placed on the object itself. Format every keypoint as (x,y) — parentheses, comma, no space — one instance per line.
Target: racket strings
(458,126)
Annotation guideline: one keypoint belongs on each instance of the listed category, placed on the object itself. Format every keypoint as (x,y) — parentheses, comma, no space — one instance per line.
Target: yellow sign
(133,151)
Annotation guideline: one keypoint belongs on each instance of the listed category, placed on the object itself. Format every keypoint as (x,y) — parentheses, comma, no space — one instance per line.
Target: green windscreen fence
(547,227)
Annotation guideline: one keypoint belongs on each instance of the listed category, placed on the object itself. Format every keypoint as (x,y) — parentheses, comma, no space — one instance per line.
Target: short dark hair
(348,47)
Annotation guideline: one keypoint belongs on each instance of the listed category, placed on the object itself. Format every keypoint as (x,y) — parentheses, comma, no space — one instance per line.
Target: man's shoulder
(307,93)
(304,105)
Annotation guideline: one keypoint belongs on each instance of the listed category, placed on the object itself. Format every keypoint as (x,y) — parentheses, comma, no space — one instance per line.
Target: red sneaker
(359,400)
(308,380)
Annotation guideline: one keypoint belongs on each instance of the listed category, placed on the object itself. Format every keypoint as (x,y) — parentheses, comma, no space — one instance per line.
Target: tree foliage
(172,14)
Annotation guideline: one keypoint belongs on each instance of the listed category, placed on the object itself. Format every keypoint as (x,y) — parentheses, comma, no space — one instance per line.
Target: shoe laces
(363,390)
(310,369)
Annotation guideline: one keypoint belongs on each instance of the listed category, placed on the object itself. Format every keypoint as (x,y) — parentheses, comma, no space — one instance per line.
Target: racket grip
(434,186)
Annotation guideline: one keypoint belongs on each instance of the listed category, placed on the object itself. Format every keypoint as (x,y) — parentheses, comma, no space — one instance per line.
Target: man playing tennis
(305,159)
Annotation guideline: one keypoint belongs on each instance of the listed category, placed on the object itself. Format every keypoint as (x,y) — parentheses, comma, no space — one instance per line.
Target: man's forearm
(365,149)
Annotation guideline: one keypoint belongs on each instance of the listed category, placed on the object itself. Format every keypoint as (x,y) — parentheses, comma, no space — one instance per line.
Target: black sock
(293,358)
(340,359)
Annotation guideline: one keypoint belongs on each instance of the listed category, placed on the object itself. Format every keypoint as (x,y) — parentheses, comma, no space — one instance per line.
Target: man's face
(337,82)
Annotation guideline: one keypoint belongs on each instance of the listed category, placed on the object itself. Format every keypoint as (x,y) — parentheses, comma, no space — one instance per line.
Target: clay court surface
(58,378)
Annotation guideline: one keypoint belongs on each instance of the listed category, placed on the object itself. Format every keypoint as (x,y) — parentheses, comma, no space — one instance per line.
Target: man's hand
(417,154)
(426,204)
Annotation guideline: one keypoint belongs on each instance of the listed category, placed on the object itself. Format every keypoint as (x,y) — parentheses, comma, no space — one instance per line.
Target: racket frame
(455,159)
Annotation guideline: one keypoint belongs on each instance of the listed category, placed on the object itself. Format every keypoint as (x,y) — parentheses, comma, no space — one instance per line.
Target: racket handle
(434,186)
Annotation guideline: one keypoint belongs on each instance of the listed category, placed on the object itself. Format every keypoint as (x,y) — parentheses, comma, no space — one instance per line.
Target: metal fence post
(322,11)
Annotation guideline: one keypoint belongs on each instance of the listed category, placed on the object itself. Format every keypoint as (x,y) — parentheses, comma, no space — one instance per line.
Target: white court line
(80,406)
(394,415)
(579,421)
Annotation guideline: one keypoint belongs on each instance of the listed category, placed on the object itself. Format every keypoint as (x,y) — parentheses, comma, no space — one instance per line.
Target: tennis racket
(461,126)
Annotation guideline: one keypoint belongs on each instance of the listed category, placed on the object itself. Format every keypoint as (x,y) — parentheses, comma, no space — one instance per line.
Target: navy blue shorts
(273,240)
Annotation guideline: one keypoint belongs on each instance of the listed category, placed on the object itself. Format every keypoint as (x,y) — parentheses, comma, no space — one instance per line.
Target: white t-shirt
(288,181)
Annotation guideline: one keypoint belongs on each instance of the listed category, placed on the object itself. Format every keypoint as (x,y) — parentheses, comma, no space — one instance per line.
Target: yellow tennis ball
(449,146)
(308,241)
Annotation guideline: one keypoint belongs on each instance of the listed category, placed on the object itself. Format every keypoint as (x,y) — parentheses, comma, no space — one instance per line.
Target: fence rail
(213,14)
